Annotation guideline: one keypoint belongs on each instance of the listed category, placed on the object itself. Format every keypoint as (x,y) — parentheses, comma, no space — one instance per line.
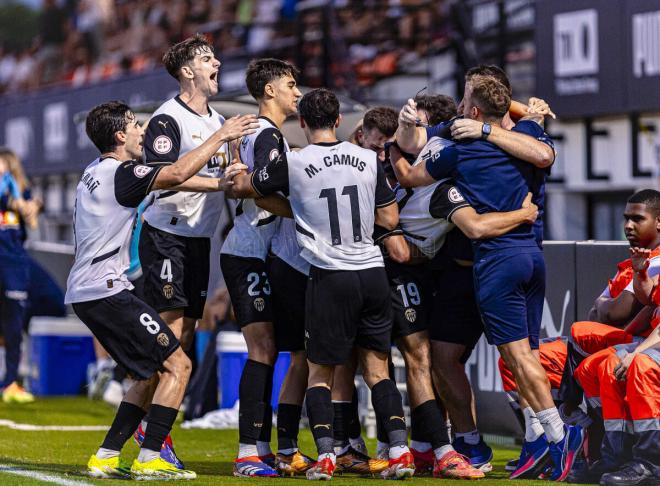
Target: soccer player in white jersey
(270,312)
(337,192)
(110,190)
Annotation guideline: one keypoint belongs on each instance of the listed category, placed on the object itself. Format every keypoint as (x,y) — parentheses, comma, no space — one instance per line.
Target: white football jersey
(174,130)
(107,197)
(425,212)
(254,227)
(334,189)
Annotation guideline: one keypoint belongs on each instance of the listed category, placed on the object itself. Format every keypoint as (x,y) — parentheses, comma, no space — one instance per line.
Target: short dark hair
(491,96)
(383,119)
(648,197)
(489,70)
(260,72)
(438,107)
(319,108)
(183,52)
(103,121)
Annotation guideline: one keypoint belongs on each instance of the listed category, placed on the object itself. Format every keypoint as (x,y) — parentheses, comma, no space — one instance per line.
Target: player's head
(273,79)
(112,126)
(378,127)
(642,219)
(9,162)
(485,71)
(319,110)
(486,100)
(434,109)
(192,63)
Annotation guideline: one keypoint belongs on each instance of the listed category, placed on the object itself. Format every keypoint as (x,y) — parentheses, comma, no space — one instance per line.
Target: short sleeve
(384,195)
(442,130)
(162,140)
(443,163)
(533,129)
(268,146)
(445,200)
(272,178)
(133,181)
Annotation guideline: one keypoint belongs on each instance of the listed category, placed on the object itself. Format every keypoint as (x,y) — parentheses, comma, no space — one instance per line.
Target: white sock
(552,424)
(329,455)
(357,443)
(263,448)
(106,453)
(420,446)
(247,450)
(441,451)
(533,428)
(147,455)
(448,425)
(287,452)
(471,437)
(398,451)
(341,450)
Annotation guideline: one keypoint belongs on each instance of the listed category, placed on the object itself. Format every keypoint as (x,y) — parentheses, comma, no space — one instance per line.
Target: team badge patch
(141,170)
(162,144)
(275,153)
(259,304)
(455,196)
(411,314)
(162,339)
(168,291)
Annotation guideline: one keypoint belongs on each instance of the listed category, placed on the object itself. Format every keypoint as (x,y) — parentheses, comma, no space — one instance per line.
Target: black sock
(340,423)
(267,427)
(387,403)
(320,413)
(428,425)
(381,433)
(288,424)
(160,419)
(251,409)
(353,426)
(126,421)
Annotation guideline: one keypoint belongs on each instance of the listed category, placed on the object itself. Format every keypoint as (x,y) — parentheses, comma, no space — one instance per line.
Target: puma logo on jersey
(326,426)
(163,124)
(197,137)
(395,417)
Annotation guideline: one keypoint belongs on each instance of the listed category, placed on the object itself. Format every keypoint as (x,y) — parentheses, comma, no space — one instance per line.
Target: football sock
(552,424)
(263,449)
(320,413)
(251,392)
(288,424)
(247,450)
(353,427)
(398,451)
(533,428)
(126,420)
(267,427)
(106,453)
(441,451)
(161,419)
(382,449)
(420,446)
(147,455)
(103,363)
(357,443)
(428,424)
(471,437)
(341,410)
(381,433)
(387,404)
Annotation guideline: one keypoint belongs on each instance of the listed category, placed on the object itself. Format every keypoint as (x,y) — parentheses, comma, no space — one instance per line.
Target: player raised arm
(410,137)
(408,175)
(188,165)
(643,284)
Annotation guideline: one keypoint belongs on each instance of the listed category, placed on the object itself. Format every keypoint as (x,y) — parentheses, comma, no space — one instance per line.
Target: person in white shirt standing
(110,190)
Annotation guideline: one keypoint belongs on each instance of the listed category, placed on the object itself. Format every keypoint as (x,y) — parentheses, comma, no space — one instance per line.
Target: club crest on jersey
(411,314)
(162,339)
(168,291)
(259,304)
(141,170)
(162,144)
(455,196)
(273,154)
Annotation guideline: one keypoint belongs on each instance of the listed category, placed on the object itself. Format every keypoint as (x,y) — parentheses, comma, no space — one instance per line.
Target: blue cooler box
(232,355)
(60,350)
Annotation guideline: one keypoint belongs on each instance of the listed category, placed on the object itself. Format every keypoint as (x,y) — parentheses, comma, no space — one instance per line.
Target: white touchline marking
(64,428)
(48,478)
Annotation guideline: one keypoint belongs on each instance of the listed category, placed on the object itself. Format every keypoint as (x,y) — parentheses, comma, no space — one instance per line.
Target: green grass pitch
(63,455)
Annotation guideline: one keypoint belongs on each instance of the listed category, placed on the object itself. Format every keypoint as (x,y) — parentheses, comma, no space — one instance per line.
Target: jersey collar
(178,99)
(328,144)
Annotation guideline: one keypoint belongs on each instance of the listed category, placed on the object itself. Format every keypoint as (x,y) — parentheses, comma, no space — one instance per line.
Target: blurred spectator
(53,27)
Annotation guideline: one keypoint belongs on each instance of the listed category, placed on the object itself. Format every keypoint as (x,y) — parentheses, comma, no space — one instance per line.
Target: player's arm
(615,311)
(211,184)
(409,136)
(641,321)
(276,204)
(185,167)
(643,283)
(387,211)
(271,179)
(490,225)
(522,145)
(651,342)
(392,243)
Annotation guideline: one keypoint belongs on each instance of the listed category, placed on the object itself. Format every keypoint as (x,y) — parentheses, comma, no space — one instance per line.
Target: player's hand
(532,209)
(465,128)
(408,114)
(238,126)
(537,106)
(621,370)
(640,258)
(234,169)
